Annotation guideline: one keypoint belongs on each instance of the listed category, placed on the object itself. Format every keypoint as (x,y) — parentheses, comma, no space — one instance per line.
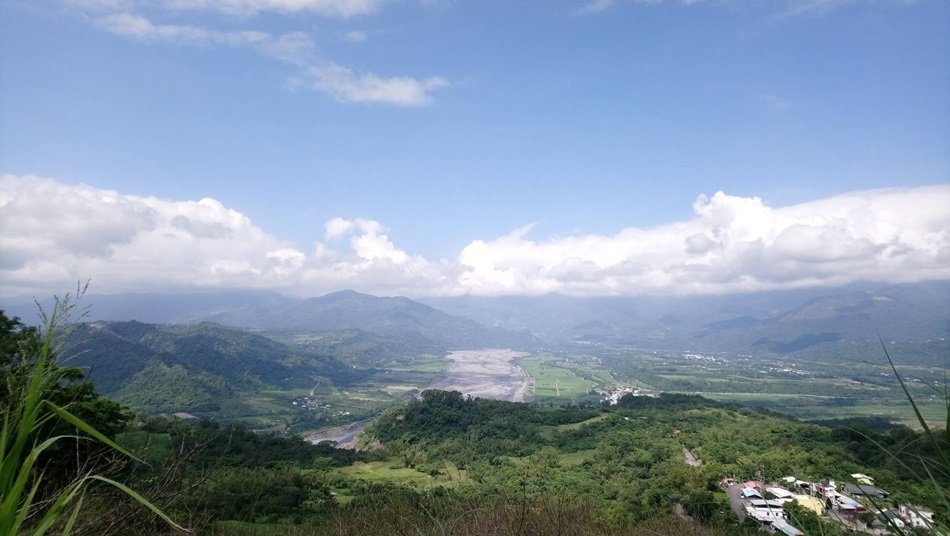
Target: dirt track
(485,374)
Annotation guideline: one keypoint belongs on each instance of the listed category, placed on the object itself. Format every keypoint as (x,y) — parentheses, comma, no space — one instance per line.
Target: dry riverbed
(486,373)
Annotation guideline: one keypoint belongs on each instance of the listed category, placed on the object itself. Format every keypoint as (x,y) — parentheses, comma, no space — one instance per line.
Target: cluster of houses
(310,403)
(843,503)
(613,397)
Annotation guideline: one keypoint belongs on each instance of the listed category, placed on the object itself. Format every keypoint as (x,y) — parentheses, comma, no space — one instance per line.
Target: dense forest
(443,464)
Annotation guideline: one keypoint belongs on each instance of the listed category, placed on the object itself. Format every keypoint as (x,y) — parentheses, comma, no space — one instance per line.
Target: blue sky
(453,122)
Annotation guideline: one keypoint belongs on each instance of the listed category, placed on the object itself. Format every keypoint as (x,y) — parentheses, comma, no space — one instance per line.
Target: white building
(765,515)
(780,493)
(917,516)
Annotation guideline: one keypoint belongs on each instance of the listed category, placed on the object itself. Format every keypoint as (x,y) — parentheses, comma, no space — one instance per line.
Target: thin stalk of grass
(913,404)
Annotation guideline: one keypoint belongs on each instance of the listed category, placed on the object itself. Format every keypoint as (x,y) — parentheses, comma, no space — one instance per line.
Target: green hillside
(194,367)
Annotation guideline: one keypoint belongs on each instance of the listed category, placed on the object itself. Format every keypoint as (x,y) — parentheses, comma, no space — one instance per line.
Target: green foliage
(28,502)
(262,495)
(628,460)
(194,391)
(236,446)
(59,385)
(207,363)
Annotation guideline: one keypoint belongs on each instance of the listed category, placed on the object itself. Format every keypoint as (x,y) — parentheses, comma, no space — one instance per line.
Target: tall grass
(24,509)
(934,470)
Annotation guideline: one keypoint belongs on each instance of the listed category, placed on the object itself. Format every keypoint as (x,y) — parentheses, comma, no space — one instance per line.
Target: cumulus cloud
(732,244)
(53,234)
(130,241)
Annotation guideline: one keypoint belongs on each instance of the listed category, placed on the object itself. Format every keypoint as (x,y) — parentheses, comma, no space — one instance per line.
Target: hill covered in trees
(192,367)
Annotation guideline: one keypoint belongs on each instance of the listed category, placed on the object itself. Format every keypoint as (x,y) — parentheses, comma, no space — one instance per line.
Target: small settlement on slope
(765,504)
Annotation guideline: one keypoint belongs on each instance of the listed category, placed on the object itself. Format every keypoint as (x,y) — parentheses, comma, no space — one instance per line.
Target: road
(735,499)
(344,436)
(690,459)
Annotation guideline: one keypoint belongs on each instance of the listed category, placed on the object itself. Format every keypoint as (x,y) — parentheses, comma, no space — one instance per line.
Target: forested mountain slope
(191,367)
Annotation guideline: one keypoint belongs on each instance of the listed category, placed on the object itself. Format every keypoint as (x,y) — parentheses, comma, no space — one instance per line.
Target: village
(859,506)
(613,397)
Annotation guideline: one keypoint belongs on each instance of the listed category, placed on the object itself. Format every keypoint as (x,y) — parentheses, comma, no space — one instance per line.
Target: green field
(563,379)
(578,425)
(350,479)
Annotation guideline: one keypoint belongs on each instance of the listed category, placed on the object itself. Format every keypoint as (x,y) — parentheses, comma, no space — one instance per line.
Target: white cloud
(733,244)
(348,86)
(338,227)
(801,7)
(596,6)
(354,36)
(53,234)
(127,241)
(332,8)
(821,7)
(780,8)
(140,28)
(340,8)
(295,48)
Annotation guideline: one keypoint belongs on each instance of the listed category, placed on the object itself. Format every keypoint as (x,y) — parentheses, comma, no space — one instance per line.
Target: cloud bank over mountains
(53,234)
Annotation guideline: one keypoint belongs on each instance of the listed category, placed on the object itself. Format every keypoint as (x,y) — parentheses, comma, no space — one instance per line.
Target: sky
(445,147)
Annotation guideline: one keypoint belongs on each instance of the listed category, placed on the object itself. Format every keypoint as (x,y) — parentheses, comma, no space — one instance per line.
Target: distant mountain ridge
(776,322)
(425,328)
(780,322)
(348,309)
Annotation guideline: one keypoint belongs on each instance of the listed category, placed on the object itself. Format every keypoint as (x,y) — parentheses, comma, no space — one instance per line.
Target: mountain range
(779,322)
